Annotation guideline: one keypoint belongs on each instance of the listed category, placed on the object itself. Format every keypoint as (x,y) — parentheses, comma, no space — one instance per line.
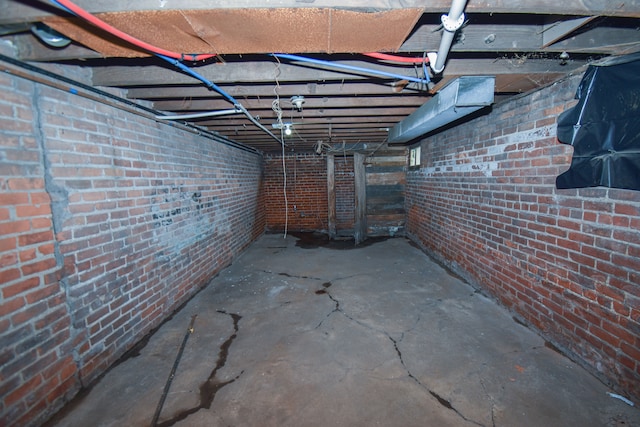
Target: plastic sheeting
(604,127)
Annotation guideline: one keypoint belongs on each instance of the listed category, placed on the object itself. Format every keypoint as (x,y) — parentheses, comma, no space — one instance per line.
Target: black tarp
(604,127)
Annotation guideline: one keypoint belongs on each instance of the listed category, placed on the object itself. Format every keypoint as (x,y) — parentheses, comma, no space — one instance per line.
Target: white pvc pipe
(451,25)
(199,115)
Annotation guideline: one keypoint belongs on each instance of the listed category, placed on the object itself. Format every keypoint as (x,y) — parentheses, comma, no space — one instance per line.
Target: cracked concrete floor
(298,335)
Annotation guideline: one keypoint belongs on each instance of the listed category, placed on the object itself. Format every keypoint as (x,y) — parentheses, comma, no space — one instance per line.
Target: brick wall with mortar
(484,203)
(306,176)
(109,221)
(345,195)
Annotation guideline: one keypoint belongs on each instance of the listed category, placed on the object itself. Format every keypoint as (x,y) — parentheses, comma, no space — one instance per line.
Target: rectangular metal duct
(457,99)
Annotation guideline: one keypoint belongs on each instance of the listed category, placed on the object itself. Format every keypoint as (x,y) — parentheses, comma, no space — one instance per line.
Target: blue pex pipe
(62,7)
(218,89)
(350,67)
(203,79)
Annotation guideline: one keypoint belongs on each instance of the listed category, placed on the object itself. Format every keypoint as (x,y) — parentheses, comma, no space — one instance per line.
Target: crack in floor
(294,276)
(444,402)
(212,385)
(493,404)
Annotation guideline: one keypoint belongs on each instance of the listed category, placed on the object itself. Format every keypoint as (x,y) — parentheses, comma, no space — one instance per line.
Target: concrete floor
(299,335)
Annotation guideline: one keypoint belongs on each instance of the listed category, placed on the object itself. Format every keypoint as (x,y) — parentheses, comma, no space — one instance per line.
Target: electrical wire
(94,20)
(284,185)
(275,106)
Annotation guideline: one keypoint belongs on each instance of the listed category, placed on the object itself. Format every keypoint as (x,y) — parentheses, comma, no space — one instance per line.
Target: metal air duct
(457,99)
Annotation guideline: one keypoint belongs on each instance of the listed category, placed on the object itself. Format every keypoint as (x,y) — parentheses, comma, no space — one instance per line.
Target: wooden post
(331,192)
(360,225)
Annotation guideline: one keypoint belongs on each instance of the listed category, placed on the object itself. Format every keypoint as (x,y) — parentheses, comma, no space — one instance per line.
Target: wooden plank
(331,191)
(385,169)
(386,231)
(399,160)
(383,190)
(386,178)
(377,210)
(556,31)
(380,221)
(360,227)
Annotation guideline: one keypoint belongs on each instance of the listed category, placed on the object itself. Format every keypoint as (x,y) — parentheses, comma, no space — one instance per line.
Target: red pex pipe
(395,58)
(124,36)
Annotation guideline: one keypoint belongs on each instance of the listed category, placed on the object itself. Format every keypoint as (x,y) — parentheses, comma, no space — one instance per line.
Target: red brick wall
(345,195)
(567,261)
(306,192)
(109,222)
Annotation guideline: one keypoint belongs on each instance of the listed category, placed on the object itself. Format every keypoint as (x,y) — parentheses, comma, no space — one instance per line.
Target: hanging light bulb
(287,130)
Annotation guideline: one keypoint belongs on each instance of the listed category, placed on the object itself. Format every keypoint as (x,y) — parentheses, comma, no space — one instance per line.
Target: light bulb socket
(50,36)
(297,102)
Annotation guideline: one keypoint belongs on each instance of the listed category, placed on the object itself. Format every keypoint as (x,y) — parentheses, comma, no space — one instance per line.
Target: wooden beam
(19,11)
(604,39)
(267,115)
(266,72)
(353,126)
(262,71)
(360,183)
(284,90)
(310,103)
(484,33)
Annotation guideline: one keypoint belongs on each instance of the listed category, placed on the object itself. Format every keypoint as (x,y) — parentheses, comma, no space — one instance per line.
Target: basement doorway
(366,195)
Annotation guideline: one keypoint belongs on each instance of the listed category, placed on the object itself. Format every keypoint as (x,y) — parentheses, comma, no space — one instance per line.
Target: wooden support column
(331,191)
(360,226)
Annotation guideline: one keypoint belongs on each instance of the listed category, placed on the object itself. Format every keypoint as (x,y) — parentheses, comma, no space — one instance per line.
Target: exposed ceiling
(525,44)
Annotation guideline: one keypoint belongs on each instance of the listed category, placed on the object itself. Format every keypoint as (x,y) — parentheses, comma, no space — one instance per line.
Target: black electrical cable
(172,374)
(208,134)
(67,80)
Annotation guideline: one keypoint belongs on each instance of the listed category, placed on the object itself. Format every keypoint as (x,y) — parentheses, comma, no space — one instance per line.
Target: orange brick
(8,244)
(12,199)
(32,210)
(20,287)
(14,227)
(25,183)
(41,223)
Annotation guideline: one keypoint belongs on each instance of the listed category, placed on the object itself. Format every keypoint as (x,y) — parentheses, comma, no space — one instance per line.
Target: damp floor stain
(319,240)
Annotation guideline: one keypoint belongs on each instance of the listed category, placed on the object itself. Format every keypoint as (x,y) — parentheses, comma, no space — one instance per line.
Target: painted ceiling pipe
(451,23)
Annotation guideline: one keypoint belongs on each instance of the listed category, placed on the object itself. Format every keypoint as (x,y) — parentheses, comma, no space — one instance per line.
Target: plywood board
(244,31)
